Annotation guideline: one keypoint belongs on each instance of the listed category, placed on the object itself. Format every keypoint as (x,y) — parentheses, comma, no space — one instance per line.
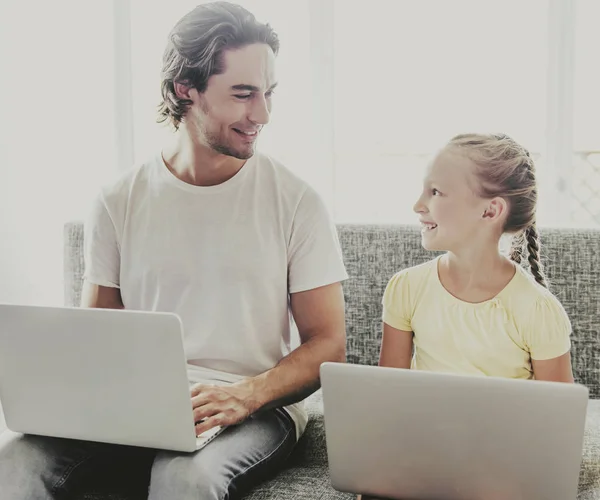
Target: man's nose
(260,113)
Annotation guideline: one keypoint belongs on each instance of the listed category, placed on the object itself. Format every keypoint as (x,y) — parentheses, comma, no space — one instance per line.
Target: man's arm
(319,315)
(103,297)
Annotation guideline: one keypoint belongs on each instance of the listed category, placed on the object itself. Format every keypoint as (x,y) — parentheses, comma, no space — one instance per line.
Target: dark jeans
(45,468)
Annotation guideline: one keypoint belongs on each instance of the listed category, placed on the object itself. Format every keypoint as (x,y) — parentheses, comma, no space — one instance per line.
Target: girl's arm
(554,370)
(396,348)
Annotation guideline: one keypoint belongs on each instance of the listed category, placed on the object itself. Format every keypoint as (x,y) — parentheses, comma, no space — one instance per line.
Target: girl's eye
(435,192)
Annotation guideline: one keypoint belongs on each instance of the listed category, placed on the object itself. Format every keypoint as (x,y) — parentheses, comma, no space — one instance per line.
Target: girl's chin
(430,243)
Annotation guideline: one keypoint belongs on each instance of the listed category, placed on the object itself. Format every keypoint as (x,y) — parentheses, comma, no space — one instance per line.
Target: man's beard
(220,146)
(227,150)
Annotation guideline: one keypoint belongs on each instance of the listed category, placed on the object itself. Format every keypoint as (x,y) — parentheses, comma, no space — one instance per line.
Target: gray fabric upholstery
(372,255)
(589,477)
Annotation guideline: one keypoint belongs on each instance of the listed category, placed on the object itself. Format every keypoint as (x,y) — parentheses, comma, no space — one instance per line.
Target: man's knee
(38,466)
(25,466)
(18,452)
(228,466)
(181,477)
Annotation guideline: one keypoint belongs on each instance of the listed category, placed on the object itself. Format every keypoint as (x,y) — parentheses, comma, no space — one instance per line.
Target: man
(232,242)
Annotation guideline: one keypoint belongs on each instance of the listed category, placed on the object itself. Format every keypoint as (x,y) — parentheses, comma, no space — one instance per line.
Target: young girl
(472,310)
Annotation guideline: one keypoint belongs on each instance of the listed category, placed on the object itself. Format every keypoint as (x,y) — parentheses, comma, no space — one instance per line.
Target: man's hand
(215,405)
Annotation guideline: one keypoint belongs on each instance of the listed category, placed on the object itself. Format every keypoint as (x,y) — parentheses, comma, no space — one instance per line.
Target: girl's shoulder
(403,291)
(412,279)
(416,273)
(540,318)
(530,290)
(532,300)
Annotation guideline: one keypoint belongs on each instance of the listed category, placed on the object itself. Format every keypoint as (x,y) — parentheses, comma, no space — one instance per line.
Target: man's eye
(243,96)
(269,94)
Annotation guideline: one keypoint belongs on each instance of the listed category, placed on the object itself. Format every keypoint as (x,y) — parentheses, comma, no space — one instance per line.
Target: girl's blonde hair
(506,169)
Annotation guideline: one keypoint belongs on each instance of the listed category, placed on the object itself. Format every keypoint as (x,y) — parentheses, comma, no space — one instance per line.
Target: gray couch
(372,255)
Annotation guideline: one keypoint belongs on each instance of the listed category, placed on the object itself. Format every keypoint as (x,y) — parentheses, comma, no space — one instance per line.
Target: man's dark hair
(195,49)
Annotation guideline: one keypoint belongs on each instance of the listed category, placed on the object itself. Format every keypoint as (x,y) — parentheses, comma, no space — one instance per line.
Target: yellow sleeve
(397,311)
(548,334)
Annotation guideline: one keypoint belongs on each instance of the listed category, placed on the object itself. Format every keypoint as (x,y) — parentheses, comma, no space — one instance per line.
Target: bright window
(410,75)
(585,184)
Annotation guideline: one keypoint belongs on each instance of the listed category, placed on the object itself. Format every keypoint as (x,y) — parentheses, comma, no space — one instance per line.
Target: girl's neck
(475,276)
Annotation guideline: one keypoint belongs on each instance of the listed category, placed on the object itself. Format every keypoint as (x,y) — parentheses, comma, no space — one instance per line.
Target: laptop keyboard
(207,437)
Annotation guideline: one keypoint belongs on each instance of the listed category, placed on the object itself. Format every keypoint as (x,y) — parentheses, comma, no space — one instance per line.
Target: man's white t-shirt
(224,258)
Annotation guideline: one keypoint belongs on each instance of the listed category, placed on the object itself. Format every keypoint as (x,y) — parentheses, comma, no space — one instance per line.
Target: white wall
(57,135)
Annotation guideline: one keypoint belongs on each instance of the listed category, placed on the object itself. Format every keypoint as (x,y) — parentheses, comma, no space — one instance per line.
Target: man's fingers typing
(201,400)
(206,411)
(201,389)
(209,423)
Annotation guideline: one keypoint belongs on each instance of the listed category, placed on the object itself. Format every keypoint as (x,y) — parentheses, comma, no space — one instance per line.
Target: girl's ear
(496,209)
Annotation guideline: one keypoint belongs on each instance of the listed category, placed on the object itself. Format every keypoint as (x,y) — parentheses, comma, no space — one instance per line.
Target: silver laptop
(409,435)
(102,375)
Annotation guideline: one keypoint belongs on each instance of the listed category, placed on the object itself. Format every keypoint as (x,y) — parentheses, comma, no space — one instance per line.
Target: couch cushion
(589,478)
(301,483)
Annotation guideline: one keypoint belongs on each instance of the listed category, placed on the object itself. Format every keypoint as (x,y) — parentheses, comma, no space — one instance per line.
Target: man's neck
(198,164)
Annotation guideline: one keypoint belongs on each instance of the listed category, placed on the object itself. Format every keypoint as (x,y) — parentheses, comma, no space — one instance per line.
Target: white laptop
(410,435)
(111,376)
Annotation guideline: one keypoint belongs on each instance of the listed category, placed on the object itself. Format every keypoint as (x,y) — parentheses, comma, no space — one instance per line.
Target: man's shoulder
(121,184)
(279,173)
(294,193)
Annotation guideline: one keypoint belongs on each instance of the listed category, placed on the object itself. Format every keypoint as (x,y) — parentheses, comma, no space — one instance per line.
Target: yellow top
(498,337)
